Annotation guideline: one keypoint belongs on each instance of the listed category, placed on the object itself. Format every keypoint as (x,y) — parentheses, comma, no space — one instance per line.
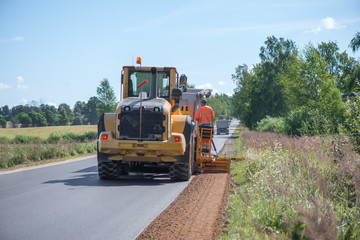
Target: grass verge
(293,188)
(31,150)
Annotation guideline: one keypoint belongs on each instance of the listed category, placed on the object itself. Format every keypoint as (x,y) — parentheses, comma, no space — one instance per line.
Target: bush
(351,126)
(22,139)
(90,135)
(4,139)
(271,124)
(77,121)
(58,137)
(309,122)
(54,137)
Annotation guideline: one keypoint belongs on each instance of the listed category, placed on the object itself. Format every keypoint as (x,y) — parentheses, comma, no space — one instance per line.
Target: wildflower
(254,186)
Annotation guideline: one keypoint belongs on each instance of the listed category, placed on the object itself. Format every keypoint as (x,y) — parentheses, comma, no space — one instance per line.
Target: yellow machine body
(144,150)
(154,123)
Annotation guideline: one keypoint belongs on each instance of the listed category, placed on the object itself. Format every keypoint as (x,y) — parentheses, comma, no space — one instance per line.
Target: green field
(44,132)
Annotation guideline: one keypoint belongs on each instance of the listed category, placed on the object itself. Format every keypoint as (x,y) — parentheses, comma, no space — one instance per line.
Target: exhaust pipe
(152,93)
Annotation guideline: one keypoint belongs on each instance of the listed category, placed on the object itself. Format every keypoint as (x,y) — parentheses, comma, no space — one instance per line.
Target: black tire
(179,172)
(107,169)
(183,168)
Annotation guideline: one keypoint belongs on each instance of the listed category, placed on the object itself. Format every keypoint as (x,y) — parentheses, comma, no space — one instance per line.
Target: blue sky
(58,51)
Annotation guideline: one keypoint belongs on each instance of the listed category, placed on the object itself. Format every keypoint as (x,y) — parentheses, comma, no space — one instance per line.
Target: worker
(205,116)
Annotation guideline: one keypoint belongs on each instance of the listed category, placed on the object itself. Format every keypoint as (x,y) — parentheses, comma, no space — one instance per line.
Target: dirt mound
(196,213)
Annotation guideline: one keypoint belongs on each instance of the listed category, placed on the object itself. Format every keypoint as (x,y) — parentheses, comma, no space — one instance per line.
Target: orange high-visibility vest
(204,115)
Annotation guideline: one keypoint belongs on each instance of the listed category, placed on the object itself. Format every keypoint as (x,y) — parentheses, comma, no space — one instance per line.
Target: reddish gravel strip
(196,213)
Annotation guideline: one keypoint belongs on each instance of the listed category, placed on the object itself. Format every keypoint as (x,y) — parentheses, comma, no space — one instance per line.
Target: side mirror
(176,94)
(183,80)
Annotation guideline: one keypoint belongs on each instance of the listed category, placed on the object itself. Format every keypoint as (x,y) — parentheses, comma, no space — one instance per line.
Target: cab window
(162,83)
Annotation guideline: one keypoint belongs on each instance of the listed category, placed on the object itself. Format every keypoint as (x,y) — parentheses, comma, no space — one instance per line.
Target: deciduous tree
(106,96)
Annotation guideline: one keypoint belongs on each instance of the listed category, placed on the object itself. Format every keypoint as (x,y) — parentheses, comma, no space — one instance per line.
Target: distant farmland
(44,132)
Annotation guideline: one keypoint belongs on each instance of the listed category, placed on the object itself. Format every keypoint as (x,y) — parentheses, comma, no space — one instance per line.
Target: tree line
(82,113)
(222,105)
(309,91)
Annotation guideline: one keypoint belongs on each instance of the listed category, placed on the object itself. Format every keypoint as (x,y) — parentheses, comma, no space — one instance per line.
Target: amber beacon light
(138,60)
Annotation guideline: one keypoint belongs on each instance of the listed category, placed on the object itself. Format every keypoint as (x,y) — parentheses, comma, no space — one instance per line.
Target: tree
(63,119)
(38,119)
(311,95)
(24,119)
(45,107)
(90,110)
(77,121)
(259,92)
(5,111)
(329,52)
(106,96)
(221,104)
(79,108)
(67,109)
(351,124)
(51,117)
(355,42)
(241,97)
(2,121)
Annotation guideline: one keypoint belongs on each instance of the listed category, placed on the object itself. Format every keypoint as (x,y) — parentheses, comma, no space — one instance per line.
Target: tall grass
(29,149)
(12,155)
(294,188)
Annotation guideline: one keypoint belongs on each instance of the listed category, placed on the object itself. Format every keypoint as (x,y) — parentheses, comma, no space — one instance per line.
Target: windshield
(162,83)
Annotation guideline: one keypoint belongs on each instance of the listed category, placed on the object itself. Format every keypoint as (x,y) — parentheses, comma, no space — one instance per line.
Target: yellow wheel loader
(153,124)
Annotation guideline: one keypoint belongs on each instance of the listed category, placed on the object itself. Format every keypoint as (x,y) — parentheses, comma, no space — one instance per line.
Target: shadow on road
(91,178)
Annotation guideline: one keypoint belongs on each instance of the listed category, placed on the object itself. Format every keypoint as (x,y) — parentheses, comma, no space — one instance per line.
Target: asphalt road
(68,201)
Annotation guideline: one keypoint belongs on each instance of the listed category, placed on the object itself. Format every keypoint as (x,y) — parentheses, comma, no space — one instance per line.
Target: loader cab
(133,76)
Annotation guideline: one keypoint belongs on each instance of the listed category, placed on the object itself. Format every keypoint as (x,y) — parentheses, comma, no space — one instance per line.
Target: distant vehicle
(222,126)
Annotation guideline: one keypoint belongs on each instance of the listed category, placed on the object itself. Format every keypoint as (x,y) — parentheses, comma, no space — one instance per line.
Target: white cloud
(19,83)
(17,39)
(205,86)
(327,23)
(52,104)
(229,94)
(222,83)
(4,86)
(23,101)
(214,91)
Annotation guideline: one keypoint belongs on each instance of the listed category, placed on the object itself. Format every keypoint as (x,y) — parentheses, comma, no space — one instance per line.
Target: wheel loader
(154,124)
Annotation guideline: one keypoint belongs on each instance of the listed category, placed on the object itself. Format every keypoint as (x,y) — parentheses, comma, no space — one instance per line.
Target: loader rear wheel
(180,172)
(107,169)
(185,165)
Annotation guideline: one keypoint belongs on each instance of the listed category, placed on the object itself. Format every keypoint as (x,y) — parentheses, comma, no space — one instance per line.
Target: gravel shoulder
(197,213)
